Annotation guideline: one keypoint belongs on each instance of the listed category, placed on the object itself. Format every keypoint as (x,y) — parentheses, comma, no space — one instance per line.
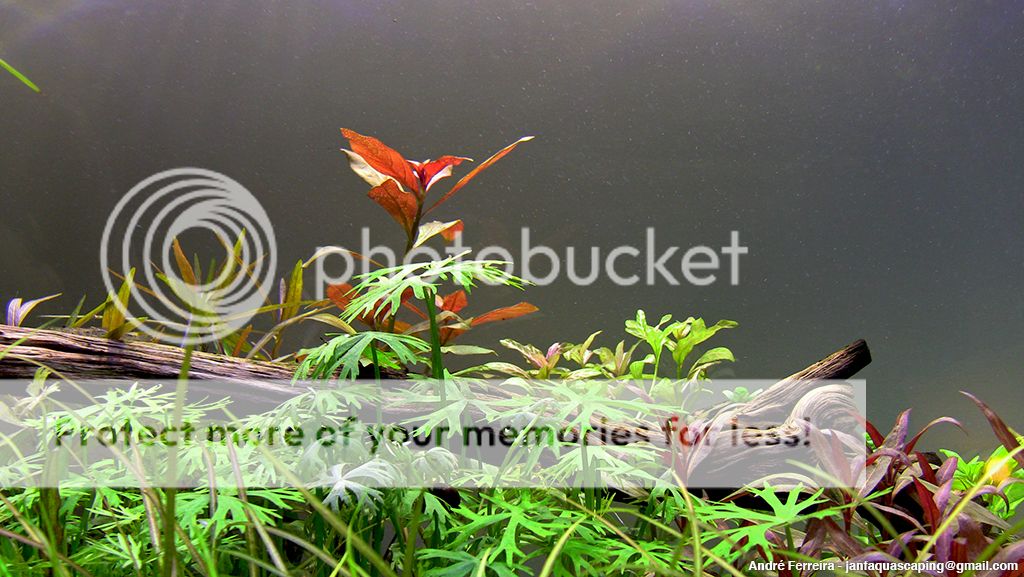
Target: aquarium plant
(14,72)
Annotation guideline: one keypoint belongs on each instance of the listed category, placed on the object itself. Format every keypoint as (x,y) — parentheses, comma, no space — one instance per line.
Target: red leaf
(917,437)
(383,159)
(451,232)
(455,302)
(1006,435)
(931,512)
(504,314)
(414,309)
(926,468)
(401,205)
(483,166)
(843,542)
(897,437)
(339,294)
(432,171)
(876,437)
(448,333)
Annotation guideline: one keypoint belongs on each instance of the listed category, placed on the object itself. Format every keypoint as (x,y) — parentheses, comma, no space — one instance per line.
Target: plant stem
(436,366)
(376,378)
(376,365)
(408,569)
(413,232)
(171,493)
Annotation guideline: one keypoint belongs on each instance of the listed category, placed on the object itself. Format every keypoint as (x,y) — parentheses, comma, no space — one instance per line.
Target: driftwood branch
(80,356)
(784,410)
(798,390)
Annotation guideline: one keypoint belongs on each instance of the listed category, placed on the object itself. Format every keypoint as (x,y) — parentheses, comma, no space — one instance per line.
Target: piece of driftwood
(80,356)
(800,405)
(776,402)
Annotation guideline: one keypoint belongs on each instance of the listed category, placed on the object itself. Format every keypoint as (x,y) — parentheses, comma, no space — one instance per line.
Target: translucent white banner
(423,433)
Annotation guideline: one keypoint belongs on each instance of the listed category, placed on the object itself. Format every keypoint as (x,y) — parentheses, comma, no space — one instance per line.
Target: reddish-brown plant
(401,186)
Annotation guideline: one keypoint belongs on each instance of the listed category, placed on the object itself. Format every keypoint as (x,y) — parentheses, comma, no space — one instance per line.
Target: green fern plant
(380,293)
(343,354)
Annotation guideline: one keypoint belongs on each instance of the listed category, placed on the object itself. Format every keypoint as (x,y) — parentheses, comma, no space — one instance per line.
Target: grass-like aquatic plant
(21,77)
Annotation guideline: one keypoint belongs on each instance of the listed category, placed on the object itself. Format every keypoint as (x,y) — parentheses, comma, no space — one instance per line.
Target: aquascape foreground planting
(415,323)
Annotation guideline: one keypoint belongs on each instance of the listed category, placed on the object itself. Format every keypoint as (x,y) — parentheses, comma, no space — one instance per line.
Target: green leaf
(581,353)
(83,319)
(467,350)
(346,352)
(755,524)
(495,367)
(636,368)
(709,359)
(691,333)
(549,564)
(293,293)
(75,313)
(523,521)
(334,321)
(24,80)
(380,293)
(18,310)
(655,336)
(113,314)
(434,228)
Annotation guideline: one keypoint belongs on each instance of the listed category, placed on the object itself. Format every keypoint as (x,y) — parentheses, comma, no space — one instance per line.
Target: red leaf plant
(907,510)
(452,325)
(400,186)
